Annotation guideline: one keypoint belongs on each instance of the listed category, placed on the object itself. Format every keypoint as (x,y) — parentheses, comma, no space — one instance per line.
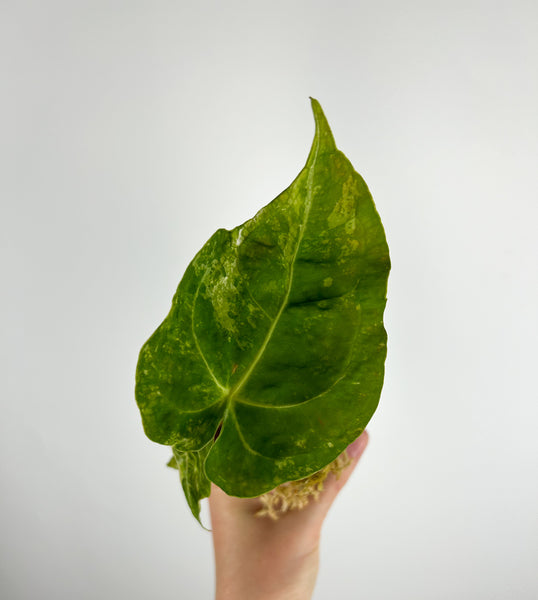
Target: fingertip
(356,448)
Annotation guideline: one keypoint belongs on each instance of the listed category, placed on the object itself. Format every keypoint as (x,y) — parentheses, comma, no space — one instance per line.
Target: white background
(131,131)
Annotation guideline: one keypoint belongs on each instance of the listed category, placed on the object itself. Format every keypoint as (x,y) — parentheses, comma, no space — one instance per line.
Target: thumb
(333,485)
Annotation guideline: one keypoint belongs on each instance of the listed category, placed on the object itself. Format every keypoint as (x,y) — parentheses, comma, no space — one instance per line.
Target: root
(295,495)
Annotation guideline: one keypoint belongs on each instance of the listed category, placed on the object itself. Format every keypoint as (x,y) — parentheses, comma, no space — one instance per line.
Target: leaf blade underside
(275,334)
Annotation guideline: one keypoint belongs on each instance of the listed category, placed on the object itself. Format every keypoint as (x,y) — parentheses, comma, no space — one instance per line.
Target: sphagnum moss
(295,495)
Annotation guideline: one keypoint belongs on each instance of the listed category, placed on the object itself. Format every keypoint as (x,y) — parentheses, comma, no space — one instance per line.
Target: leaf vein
(258,304)
(195,337)
(241,437)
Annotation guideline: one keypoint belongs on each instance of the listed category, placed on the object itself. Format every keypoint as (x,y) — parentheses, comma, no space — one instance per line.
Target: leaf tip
(323,131)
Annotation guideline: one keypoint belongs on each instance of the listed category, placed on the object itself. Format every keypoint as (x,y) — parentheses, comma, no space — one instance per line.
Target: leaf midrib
(308,205)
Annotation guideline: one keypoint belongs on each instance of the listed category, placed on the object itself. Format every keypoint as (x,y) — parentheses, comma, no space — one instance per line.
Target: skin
(261,559)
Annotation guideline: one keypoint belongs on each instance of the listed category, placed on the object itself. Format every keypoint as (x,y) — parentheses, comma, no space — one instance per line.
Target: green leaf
(192,475)
(275,336)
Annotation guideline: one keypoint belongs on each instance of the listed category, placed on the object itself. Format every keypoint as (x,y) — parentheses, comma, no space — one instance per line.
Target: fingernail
(356,448)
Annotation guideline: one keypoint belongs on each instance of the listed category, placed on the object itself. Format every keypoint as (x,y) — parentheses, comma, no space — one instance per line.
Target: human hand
(258,558)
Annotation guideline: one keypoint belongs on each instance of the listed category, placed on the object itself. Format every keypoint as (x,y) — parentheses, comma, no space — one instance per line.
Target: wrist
(267,577)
